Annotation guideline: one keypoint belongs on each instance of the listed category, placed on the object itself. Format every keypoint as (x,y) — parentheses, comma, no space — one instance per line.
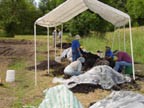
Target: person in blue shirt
(108,53)
(76,53)
(109,56)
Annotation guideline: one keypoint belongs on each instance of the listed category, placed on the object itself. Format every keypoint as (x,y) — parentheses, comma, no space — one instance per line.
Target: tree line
(18,16)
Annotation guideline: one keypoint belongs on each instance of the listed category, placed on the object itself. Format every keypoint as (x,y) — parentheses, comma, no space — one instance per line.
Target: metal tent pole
(35,54)
(61,37)
(113,38)
(55,41)
(131,42)
(119,38)
(124,40)
(48,47)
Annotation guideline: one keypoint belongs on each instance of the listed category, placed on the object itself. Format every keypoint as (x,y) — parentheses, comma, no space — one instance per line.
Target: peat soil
(24,48)
(16,48)
(86,88)
(57,67)
(64,45)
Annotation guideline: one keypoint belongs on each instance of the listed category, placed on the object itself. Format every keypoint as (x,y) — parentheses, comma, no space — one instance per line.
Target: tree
(136,11)
(17,16)
(86,22)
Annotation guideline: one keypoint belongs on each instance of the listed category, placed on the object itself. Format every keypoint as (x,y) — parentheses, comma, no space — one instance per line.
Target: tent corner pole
(35,55)
(61,36)
(48,47)
(124,39)
(119,38)
(55,42)
(113,37)
(131,43)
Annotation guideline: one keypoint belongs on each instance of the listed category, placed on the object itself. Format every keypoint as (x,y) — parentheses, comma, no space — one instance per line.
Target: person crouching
(75,68)
(123,60)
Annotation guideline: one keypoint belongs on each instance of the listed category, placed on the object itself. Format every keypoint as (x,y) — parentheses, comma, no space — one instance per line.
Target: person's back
(75,44)
(123,56)
(123,60)
(75,67)
(76,53)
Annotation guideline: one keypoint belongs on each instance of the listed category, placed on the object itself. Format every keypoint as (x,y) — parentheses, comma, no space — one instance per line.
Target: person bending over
(123,60)
(75,67)
(109,56)
(76,53)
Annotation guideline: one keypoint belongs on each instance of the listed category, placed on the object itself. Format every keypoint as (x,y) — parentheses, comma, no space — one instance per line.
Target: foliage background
(18,16)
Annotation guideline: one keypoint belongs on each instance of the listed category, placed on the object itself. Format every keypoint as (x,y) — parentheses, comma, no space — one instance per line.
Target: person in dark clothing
(109,56)
(108,53)
(76,53)
(123,60)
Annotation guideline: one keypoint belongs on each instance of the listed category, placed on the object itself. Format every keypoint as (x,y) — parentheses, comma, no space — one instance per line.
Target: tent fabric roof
(72,8)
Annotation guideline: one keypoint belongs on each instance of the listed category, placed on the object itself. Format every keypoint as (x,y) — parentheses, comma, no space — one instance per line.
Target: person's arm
(108,55)
(78,49)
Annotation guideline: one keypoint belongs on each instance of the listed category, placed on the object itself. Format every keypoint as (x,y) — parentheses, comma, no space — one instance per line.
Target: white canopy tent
(71,8)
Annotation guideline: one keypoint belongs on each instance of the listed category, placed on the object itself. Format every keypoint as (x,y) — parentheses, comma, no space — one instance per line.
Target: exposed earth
(14,51)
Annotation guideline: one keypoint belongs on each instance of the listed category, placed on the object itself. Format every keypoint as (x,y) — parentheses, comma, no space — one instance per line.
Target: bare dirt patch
(64,45)
(16,48)
(57,67)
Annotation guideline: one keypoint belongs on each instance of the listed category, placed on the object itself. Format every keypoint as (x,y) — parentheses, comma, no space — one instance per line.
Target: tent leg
(48,46)
(61,37)
(113,38)
(132,49)
(119,39)
(124,39)
(55,42)
(35,55)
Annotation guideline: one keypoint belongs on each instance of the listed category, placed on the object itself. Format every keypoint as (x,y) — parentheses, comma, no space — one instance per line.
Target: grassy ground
(94,42)
(23,92)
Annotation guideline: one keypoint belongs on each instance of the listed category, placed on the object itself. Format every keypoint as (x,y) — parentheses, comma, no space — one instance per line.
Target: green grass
(42,48)
(94,43)
(19,65)
(25,91)
(40,57)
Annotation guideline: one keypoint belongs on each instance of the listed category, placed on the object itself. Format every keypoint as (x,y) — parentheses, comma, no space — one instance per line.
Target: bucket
(128,70)
(10,76)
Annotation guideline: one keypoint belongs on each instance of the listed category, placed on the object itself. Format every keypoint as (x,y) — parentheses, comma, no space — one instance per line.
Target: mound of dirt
(15,42)
(58,67)
(86,88)
(64,45)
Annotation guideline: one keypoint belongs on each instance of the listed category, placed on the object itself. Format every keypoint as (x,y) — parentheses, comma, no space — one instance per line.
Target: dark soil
(64,45)
(86,88)
(15,42)
(16,48)
(58,67)
(91,104)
